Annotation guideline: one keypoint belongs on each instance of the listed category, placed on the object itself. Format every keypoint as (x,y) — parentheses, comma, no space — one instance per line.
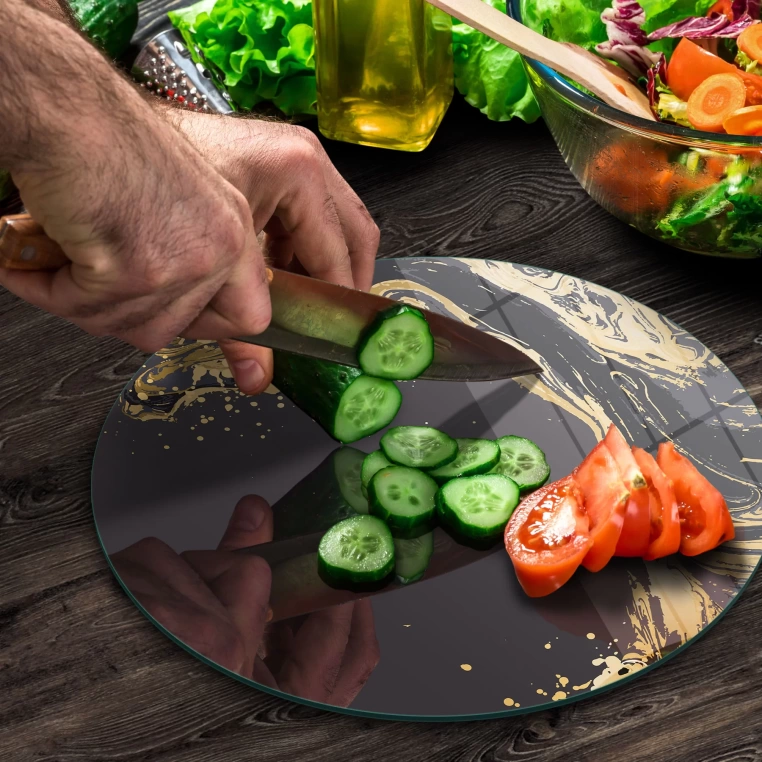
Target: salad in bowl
(693,177)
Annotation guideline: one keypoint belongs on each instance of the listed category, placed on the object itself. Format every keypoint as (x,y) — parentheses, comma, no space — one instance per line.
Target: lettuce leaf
(262,50)
(491,76)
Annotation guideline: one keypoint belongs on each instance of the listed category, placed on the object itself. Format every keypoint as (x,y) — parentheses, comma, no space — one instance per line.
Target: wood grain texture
(85,678)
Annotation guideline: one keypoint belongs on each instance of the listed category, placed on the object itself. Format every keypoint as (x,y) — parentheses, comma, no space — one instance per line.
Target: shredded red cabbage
(701,27)
(740,7)
(627,40)
(657,71)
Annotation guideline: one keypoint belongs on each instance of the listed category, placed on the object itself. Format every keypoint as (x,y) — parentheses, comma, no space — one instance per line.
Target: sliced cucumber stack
(411,557)
(358,550)
(346,403)
(478,506)
(475,456)
(418,447)
(372,464)
(398,345)
(404,498)
(523,461)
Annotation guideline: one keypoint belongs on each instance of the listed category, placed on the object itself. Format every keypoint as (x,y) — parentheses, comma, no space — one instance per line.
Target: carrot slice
(690,65)
(714,100)
(745,121)
(636,531)
(725,7)
(665,515)
(750,41)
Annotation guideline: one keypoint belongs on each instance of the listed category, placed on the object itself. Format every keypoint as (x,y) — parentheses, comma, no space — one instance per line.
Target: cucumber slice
(404,498)
(478,506)
(398,345)
(357,550)
(475,456)
(523,461)
(372,464)
(347,463)
(411,557)
(320,499)
(418,447)
(346,403)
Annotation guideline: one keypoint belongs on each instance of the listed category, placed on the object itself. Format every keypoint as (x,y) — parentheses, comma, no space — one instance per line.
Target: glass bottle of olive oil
(384,71)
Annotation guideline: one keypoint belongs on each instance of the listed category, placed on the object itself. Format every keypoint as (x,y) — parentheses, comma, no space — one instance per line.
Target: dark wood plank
(84,677)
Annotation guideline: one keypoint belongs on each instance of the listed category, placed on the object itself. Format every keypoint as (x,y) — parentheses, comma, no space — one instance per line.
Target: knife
(298,589)
(314,318)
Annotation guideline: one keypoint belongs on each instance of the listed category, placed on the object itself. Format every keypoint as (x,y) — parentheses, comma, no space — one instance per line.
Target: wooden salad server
(610,83)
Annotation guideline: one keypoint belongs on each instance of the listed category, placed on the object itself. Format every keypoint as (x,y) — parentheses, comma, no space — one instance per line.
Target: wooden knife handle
(24,245)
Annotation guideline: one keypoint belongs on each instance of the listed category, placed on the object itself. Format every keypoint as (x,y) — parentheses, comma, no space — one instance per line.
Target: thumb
(250,524)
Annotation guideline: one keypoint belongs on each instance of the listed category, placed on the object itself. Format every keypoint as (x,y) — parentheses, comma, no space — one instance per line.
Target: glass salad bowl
(697,191)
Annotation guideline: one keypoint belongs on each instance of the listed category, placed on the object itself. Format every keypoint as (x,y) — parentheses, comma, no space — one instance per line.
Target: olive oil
(384,71)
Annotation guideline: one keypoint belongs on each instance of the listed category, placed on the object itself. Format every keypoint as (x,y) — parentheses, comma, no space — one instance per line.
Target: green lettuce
(727,212)
(491,76)
(262,50)
(747,64)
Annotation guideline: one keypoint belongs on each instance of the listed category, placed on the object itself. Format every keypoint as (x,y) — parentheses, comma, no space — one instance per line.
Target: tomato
(548,537)
(690,65)
(704,516)
(605,501)
(665,517)
(725,7)
(636,530)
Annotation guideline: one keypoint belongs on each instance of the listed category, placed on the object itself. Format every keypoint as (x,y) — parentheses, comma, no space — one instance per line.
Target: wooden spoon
(609,82)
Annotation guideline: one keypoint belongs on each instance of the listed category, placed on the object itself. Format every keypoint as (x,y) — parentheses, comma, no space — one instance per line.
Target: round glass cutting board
(210,504)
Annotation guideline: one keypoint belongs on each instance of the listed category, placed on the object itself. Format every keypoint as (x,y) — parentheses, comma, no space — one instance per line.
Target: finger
(308,215)
(251,365)
(242,585)
(360,658)
(278,248)
(241,307)
(361,233)
(250,524)
(311,669)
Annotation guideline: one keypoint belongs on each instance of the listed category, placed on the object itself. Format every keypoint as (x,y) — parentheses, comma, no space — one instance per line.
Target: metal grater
(165,67)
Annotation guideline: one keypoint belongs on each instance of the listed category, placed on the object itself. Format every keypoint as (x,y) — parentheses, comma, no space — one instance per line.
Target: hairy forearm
(58,9)
(58,92)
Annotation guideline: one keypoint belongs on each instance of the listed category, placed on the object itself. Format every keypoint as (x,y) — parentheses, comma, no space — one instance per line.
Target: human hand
(161,243)
(216,602)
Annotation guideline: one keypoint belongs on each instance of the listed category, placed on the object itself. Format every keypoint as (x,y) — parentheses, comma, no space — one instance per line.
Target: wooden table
(85,678)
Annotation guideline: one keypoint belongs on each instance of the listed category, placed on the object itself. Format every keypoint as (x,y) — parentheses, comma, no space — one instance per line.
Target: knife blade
(315,318)
(298,589)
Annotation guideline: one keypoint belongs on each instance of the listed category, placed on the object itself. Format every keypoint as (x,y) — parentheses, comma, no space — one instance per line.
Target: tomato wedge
(605,499)
(664,513)
(547,537)
(636,530)
(704,517)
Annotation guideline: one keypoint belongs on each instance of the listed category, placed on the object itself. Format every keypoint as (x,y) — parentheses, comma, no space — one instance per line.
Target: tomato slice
(605,501)
(636,530)
(665,516)
(547,537)
(704,517)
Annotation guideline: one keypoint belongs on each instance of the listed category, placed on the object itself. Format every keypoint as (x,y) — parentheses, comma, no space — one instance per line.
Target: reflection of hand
(216,602)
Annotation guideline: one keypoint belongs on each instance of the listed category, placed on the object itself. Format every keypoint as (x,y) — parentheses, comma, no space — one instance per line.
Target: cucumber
(523,461)
(397,345)
(478,506)
(348,466)
(418,447)
(411,557)
(357,550)
(110,24)
(370,466)
(326,495)
(475,456)
(404,498)
(346,403)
